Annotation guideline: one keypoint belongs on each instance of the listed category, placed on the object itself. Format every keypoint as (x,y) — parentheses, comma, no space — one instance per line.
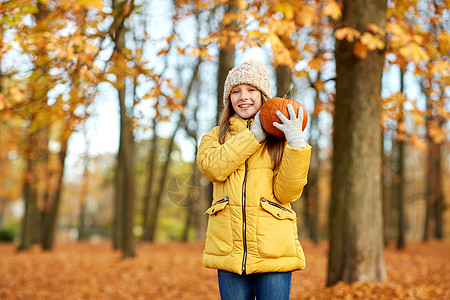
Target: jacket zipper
(244,216)
(275,204)
(225,199)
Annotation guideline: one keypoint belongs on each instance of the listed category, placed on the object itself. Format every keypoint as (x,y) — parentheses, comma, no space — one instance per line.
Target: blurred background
(102,105)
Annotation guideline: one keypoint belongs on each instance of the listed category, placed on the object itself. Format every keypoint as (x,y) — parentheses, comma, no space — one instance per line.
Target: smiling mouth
(245,105)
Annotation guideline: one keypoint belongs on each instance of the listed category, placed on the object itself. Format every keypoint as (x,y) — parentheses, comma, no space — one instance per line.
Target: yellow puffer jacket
(251,226)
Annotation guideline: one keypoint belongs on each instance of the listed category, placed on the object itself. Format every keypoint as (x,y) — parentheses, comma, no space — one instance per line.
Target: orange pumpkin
(270,107)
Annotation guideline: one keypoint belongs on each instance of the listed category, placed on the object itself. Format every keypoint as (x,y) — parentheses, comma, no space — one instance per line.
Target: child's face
(246,100)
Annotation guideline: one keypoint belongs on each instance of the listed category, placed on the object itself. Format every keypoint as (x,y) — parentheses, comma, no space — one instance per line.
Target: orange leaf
(4,103)
(360,50)
(315,63)
(376,29)
(441,67)
(332,9)
(347,33)
(282,27)
(418,143)
(371,41)
(242,4)
(305,16)
(436,132)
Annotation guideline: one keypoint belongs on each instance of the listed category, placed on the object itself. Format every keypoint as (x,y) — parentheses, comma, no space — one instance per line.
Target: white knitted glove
(292,128)
(257,129)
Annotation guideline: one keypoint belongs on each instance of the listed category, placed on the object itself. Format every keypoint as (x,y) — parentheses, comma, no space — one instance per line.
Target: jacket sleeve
(291,176)
(217,161)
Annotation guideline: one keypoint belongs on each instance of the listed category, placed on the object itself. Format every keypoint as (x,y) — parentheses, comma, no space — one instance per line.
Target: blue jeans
(265,286)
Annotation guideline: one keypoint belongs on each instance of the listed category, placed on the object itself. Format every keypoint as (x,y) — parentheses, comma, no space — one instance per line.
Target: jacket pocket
(276,230)
(219,237)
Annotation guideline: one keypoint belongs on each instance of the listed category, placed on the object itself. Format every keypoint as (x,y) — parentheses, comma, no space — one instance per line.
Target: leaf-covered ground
(174,271)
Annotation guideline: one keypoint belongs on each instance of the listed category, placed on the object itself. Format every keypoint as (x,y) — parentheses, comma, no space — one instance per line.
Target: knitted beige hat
(250,72)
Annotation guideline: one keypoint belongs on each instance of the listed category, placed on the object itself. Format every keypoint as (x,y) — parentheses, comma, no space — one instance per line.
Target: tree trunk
(386,179)
(149,186)
(119,197)
(126,184)
(51,217)
(29,220)
(433,191)
(3,155)
(193,210)
(83,200)
(399,187)
(30,227)
(400,171)
(153,221)
(284,78)
(44,175)
(356,232)
(125,187)
(312,189)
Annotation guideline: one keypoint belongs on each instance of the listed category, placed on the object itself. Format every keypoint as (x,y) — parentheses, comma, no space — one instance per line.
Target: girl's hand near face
(257,129)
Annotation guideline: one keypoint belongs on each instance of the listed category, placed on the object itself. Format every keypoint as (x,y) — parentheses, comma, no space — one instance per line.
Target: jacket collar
(237,124)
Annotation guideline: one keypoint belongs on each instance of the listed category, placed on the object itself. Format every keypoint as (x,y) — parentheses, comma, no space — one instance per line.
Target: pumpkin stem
(287,94)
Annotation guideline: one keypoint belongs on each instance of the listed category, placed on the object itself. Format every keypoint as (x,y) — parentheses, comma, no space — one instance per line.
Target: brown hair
(273,145)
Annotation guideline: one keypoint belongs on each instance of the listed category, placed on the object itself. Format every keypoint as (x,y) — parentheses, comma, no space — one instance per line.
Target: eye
(235,92)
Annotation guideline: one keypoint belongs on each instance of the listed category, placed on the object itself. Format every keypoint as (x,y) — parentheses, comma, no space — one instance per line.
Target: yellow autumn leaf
(414,52)
(395,29)
(286,9)
(282,27)
(98,4)
(90,48)
(70,53)
(203,53)
(347,33)
(178,94)
(319,86)
(281,54)
(315,64)
(302,73)
(206,41)
(371,41)
(203,5)
(257,35)
(444,42)
(305,16)
(419,118)
(418,143)
(376,29)
(441,67)
(16,94)
(360,50)
(436,132)
(230,17)
(332,9)
(401,127)
(242,4)
(4,103)
(51,47)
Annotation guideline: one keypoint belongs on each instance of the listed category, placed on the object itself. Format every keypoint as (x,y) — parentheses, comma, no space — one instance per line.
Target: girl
(252,232)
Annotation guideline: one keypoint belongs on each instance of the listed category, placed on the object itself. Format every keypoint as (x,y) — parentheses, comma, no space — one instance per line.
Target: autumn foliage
(174,271)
